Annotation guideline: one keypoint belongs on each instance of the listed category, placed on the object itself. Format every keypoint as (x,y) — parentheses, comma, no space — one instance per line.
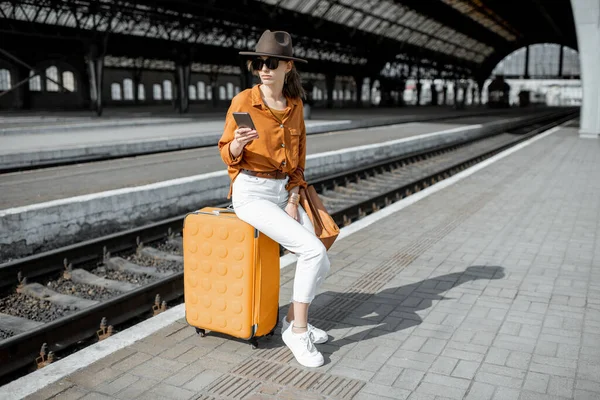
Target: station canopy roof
(472,35)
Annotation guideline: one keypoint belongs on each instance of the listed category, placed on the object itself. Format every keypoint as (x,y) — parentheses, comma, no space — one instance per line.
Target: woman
(266,167)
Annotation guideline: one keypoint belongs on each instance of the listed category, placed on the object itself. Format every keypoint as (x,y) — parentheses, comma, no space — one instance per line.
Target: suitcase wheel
(270,334)
(254,343)
(200,332)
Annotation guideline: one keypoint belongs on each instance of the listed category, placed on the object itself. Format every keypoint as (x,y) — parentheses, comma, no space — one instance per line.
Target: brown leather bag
(325,227)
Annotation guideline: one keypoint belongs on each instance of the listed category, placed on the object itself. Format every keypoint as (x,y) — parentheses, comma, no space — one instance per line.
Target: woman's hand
(241,137)
(245,135)
(292,211)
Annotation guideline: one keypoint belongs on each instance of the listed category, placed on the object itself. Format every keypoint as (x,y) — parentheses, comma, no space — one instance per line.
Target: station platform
(484,286)
(30,141)
(46,208)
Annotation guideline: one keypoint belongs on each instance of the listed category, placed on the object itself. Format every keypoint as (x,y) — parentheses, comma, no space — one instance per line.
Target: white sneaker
(319,335)
(302,347)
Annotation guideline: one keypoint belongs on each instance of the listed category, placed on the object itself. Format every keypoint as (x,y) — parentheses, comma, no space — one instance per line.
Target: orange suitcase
(231,275)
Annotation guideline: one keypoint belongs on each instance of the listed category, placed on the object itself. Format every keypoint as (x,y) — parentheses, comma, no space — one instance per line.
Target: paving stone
(560,386)
(157,368)
(51,391)
(352,373)
(466,369)
(447,381)
(386,376)
(589,371)
(589,386)
(480,391)
(444,365)
(536,382)
(527,395)
(503,393)
(183,376)
(544,348)
(136,389)
(497,356)
(96,396)
(433,346)
(132,361)
(117,385)
(202,380)
(440,390)
(73,393)
(518,360)
(369,366)
(165,391)
(409,379)
(386,391)
(85,379)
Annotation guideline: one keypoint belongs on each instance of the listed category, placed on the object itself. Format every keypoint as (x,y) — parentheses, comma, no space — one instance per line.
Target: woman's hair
(292,87)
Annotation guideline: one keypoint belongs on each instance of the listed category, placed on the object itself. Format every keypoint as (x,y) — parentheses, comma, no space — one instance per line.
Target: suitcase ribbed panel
(225,289)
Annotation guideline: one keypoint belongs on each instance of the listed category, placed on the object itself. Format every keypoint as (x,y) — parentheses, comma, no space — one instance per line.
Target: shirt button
(282,145)
(281,126)
(283,163)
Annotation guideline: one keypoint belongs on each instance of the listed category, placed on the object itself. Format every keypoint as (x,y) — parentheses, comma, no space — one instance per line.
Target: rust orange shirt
(280,146)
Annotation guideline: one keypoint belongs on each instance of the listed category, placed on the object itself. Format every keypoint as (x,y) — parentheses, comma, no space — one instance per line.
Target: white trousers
(261,202)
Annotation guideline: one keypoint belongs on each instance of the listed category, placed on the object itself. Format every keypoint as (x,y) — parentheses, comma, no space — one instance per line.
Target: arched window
(222,93)
(334,94)
(315,93)
(68,80)
(201,90)
(168,89)
(208,92)
(141,92)
(127,89)
(192,92)
(35,82)
(229,90)
(237,89)
(348,94)
(52,73)
(157,92)
(5,83)
(115,91)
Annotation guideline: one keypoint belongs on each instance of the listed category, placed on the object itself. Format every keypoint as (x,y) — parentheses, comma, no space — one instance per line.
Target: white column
(587,23)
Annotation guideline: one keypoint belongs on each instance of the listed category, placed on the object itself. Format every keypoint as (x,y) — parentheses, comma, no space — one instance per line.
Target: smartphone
(243,120)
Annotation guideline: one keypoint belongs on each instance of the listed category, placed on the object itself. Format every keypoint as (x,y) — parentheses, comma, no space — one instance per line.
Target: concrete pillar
(419,87)
(182,76)
(359,88)
(587,24)
(95,62)
(23,94)
(434,94)
(330,84)
(444,94)
(137,79)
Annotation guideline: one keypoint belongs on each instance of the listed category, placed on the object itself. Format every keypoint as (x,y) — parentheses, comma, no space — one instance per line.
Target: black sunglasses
(270,62)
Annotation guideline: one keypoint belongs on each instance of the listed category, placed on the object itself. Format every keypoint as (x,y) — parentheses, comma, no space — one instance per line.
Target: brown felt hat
(277,44)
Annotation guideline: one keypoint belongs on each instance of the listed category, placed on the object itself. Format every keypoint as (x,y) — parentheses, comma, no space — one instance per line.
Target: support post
(560,61)
(434,93)
(96,71)
(359,79)
(418,85)
(587,15)
(183,81)
(137,79)
(330,83)
(526,62)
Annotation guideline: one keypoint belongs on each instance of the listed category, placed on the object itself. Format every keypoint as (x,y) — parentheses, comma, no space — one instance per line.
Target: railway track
(70,297)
